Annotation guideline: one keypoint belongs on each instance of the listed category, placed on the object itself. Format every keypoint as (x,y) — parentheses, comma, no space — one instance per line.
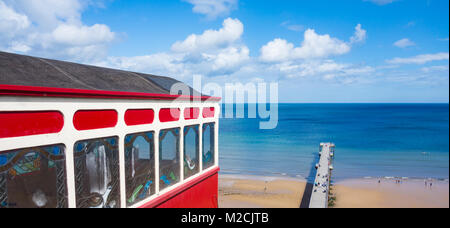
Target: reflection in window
(191,151)
(208,145)
(169,157)
(33,178)
(97,173)
(139,167)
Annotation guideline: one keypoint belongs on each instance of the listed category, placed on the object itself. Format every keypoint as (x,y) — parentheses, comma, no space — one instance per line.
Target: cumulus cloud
(211,39)
(82,35)
(50,13)
(212,53)
(213,8)
(404,43)
(313,46)
(11,22)
(420,59)
(52,28)
(228,59)
(311,58)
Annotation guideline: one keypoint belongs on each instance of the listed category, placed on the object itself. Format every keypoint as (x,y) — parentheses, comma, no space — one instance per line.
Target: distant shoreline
(254,176)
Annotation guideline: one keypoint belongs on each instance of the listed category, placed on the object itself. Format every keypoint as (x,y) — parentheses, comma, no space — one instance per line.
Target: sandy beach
(237,191)
(368,193)
(260,192)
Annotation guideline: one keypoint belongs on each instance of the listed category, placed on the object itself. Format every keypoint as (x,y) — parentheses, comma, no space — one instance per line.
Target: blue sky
(318,51)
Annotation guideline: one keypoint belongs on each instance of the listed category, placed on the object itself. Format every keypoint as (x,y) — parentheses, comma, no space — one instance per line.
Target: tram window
(139,166)
(97,173)
(169,157)
(33,178)
(191,151)
(208,145)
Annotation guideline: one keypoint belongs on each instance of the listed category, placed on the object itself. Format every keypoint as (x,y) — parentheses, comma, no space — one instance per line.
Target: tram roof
(33,74)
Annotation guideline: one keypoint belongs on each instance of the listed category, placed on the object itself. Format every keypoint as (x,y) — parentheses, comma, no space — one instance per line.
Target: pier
(321,188)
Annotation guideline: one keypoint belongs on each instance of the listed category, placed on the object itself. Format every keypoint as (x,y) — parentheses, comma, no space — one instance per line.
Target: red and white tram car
(73,135)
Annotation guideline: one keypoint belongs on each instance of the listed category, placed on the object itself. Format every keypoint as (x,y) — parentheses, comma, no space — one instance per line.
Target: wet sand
(368,193)
(260,192)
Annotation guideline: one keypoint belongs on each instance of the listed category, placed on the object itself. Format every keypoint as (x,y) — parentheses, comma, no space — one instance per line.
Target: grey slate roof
(31,71)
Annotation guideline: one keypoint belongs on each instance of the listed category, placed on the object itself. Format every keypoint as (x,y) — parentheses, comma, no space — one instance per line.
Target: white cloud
(318,46)
(49,13)
(313,46)
(404,43)
(435,68)
(381,2)
(328,69)
(231,31)
(277,50)
(82,35)
(228,59)
(212,53)
(19,47)
(359,36)
(213,8)
(11,22)
(420,59)
(52,28)
(310,58)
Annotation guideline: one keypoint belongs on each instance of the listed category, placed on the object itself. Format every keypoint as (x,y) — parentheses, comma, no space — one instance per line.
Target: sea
(372,141)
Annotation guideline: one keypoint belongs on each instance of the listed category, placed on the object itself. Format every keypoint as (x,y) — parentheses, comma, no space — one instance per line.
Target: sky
(321,51)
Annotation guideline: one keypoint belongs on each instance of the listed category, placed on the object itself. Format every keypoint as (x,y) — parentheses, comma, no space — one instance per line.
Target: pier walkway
(321,188)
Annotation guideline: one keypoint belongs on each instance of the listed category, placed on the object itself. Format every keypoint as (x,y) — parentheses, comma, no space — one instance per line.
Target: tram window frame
(18,168)
(189,161)
(208,163)
(169,174)
(84,198)
(141,186)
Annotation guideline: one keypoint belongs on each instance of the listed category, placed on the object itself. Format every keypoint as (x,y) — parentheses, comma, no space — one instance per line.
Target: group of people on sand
(428,183)
(397,181)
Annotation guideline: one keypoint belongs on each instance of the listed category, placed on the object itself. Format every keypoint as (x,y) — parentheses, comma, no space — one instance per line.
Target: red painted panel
(94,119)
(36,91)
(16,124)
(191,113)
(169,115)
(208,112)
(135,117)
(201,192)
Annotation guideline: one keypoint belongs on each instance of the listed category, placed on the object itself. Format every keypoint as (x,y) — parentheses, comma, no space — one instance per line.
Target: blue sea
(372,140)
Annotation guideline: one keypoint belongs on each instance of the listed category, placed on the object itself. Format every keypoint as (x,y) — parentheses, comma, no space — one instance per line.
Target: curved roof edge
(35,91)
(22,75)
